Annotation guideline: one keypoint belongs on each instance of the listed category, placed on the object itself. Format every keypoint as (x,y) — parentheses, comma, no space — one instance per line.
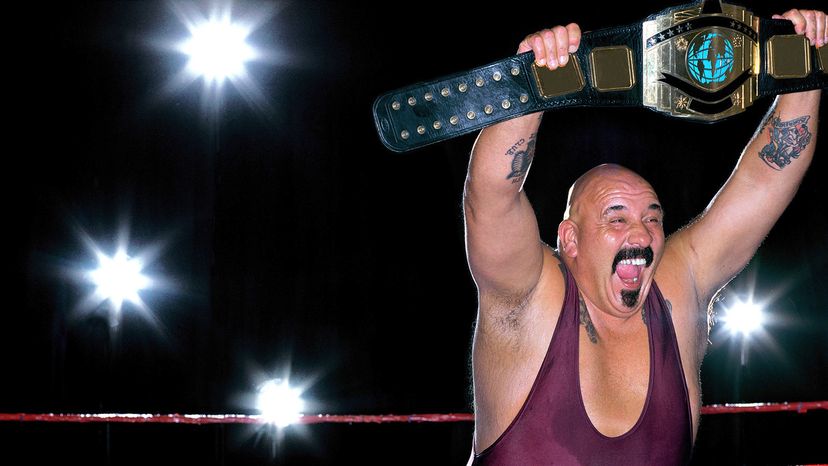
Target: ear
(568,238)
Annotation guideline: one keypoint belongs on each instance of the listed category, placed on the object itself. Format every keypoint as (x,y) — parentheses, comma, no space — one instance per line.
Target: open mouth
(629,263)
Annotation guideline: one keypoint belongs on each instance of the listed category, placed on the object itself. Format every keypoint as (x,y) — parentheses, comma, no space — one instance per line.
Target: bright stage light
(220,46)
(279,403)
(218,50)
(744,318)
(118,278)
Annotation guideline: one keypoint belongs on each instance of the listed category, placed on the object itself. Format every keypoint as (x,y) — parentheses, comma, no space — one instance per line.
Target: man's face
(620,241)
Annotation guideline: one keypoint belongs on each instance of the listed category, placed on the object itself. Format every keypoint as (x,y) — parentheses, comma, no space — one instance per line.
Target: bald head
(603,177)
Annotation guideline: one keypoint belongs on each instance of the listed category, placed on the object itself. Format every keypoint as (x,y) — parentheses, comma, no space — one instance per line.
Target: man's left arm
(726,235)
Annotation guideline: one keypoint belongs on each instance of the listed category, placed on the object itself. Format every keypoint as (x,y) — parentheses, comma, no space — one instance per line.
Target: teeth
(640,261)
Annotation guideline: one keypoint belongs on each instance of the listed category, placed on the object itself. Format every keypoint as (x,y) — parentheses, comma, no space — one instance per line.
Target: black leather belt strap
(433,111)
(454,105)
(620,66)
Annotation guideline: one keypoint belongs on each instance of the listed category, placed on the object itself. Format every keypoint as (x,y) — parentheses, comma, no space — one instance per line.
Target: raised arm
(726,235)
(502,240)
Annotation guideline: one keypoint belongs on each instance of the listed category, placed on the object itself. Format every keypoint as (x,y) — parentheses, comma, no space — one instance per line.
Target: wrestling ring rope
(202,419)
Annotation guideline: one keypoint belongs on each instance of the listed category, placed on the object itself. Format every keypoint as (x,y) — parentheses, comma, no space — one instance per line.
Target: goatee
(630,297)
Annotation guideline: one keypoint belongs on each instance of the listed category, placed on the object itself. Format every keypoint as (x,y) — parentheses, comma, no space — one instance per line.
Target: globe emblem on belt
(710,58)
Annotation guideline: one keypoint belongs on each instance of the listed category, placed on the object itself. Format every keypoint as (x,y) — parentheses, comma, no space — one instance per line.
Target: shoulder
(551,287)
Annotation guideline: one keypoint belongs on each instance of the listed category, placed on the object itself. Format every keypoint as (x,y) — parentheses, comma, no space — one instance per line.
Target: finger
(810,25)
(551,45)
(562,44)
(825,28)
(819,36)
(534,42)
(574,37)
(799,22)
(524,45)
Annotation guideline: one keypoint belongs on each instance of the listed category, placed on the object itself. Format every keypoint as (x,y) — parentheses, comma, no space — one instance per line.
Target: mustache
(633,253)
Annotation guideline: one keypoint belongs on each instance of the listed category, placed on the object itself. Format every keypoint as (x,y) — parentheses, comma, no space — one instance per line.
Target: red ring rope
(728,408)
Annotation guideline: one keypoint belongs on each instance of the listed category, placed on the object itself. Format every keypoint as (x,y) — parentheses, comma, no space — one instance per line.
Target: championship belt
(702,62)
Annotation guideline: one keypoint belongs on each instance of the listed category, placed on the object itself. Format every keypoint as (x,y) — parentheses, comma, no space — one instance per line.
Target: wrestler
(590,353)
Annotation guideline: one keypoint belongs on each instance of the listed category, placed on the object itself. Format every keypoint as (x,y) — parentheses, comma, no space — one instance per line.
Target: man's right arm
(502,240)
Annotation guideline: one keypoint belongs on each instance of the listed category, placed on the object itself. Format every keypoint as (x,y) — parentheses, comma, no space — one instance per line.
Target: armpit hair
(506,308)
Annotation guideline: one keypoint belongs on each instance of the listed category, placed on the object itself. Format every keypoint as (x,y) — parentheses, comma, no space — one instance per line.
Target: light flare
(218,50)
(118,279)
(279,403)
(744,317)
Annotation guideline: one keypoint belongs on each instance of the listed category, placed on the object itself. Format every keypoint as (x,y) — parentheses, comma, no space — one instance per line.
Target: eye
(617,220)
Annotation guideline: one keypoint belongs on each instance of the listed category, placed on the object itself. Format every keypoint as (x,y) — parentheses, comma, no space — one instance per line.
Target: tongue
(627,272)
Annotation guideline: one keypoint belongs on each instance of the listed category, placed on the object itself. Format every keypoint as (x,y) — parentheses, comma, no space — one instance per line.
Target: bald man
(590,353)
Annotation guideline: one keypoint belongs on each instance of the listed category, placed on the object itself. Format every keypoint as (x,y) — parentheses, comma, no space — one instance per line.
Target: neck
(608,329)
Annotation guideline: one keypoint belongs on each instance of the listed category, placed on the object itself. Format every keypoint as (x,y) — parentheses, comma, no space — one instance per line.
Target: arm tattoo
(787,139)
(521,159)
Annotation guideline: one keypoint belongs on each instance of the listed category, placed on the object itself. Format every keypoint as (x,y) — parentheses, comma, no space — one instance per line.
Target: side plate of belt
(703,62)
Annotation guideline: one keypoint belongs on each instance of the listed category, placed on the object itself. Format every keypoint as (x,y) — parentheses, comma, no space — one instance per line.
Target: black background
(291,241)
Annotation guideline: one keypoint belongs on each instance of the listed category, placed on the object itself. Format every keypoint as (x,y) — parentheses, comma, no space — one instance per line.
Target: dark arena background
(283,241)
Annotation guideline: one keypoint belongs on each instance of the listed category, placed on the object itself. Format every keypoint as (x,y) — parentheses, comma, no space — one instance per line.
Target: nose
(639,235)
